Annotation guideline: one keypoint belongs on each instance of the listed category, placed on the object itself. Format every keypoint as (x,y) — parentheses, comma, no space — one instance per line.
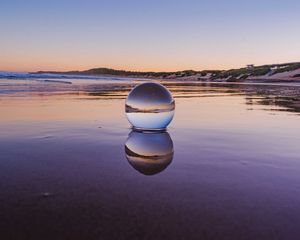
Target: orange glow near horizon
(58,63)
(33,68)
(73,66)
(35,59)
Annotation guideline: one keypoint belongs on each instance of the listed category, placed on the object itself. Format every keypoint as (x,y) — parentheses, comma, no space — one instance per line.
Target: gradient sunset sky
(158,35)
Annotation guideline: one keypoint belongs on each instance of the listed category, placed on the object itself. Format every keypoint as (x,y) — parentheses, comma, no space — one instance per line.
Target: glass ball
(150,106)
(149,152)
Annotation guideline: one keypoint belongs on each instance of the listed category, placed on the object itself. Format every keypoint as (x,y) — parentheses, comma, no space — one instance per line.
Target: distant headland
(270,72)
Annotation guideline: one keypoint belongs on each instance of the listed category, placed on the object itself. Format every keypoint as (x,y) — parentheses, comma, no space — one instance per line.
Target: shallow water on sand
(228,168)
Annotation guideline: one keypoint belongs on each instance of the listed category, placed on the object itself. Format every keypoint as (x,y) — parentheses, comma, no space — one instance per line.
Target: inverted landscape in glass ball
(149,152)
(150,106)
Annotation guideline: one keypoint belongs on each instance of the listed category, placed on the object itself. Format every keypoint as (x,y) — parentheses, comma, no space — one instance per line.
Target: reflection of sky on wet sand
(284,95)
(233,168)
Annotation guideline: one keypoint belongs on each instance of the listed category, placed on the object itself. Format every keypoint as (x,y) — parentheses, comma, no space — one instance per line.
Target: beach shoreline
(69,158)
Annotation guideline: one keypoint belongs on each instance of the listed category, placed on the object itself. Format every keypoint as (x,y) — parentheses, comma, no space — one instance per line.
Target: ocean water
(71,167)
(58,77)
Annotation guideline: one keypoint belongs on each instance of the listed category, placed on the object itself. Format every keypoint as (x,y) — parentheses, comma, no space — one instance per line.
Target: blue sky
(147,35)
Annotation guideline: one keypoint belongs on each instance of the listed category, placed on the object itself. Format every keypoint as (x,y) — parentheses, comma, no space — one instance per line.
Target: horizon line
(123,69)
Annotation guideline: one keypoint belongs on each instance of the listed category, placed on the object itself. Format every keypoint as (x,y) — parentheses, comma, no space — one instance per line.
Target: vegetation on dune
(232,75)
(108,71)
(287,67)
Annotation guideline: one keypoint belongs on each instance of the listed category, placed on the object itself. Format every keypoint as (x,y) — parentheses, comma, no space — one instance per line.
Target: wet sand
(71,168)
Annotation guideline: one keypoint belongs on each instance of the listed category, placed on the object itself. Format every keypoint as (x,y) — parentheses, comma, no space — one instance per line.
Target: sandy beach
(72,168)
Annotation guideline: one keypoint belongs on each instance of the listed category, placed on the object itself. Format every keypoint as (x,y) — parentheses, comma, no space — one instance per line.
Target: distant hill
(109,71)
(285,71)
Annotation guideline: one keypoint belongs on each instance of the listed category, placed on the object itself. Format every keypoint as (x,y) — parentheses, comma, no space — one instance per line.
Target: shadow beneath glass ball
(149,152)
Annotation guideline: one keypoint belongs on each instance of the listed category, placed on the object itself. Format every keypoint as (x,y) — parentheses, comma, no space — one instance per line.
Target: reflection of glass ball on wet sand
(149,152)
(150,106)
